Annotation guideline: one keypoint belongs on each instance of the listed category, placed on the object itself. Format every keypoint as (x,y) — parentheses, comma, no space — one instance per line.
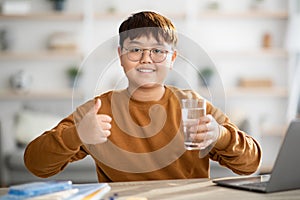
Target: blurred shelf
(63,94)
(41,55)
(107,15)
(43,16)
(258,53)
(244,15)
(207,14)
(120,16)
(280,92)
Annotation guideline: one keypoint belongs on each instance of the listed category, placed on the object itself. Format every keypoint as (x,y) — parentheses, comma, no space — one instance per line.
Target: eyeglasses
(157,55)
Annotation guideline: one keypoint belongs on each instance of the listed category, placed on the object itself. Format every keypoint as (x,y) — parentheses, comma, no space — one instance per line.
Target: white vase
(21,81)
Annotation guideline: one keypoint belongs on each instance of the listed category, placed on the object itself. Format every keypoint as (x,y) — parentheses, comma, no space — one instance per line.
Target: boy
(134,134)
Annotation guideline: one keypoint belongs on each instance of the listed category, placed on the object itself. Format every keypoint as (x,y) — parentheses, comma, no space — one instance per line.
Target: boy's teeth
(145,70)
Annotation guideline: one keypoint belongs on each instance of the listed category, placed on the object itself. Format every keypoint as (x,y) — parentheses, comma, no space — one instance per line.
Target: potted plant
(58,5)
(257,4)
(213,5)
(73,74)
(205,75)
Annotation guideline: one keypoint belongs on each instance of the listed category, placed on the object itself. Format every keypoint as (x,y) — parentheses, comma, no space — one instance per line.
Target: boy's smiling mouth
(145,70)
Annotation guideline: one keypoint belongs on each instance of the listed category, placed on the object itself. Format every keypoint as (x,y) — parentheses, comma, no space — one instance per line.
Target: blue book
(28,190)
(57,190)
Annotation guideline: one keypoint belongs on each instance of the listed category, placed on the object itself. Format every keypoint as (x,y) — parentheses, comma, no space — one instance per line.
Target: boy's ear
(174,56)
(119,51)
(120,54)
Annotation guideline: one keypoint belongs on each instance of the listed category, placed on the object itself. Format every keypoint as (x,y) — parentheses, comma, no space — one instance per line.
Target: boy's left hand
(208,131)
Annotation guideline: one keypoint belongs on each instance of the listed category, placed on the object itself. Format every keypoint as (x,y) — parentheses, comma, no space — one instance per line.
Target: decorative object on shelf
(213,5)
(4,40)
(21,81)
(58,5)
(255,82)
(15,7)
(63,41)
(267,40)
(74,75)
(206,75)
(111,9)
(257,4)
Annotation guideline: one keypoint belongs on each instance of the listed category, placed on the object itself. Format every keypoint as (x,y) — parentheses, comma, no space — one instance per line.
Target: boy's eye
(157,51)
(135,50)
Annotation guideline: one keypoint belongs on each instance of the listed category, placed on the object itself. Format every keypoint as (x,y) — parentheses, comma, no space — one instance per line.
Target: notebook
(285,173)
(56,190)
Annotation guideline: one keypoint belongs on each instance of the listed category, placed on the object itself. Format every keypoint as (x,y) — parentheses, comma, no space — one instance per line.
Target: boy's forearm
(234,148)
(51,152)
(241,153)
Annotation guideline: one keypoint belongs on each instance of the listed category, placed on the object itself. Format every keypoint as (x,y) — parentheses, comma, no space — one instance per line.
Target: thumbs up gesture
(94,128)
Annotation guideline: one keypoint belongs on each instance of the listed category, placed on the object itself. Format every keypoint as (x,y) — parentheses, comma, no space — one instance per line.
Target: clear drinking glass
(191,111)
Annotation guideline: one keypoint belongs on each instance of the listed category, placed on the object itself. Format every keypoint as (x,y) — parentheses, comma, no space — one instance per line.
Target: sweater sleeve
(234,149)
(50,153)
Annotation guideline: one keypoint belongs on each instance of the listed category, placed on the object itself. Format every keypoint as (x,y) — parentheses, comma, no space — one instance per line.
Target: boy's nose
(146,58)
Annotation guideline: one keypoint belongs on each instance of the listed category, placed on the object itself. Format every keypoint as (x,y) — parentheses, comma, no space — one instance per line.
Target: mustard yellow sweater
(146,142)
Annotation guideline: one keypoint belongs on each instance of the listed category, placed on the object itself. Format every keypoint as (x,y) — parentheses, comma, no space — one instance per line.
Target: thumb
(97,105)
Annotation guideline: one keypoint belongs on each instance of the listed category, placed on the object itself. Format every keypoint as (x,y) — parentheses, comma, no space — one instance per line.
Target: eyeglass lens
(156,55)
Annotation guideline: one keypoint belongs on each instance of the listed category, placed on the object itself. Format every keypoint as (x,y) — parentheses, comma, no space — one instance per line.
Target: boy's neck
(147,94)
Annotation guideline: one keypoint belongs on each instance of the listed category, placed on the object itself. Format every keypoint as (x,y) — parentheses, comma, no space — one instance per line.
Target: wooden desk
(187,189)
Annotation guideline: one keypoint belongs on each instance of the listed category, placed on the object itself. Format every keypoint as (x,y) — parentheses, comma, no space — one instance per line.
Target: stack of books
(56,190)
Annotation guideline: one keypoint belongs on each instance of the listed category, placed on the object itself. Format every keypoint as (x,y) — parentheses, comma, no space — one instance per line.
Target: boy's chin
(149,85)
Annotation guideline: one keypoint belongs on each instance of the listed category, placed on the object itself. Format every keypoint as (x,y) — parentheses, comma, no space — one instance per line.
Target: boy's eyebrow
(140,43)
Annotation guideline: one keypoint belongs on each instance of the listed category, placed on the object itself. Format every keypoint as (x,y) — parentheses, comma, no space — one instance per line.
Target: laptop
(285,173)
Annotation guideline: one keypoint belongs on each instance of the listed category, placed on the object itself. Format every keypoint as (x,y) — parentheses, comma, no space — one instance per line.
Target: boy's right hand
(94,128)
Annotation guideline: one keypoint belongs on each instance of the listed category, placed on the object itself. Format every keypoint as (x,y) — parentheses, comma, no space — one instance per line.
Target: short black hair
(148,23)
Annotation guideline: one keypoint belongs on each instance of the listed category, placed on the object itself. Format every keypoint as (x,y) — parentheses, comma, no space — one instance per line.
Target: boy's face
(146,61)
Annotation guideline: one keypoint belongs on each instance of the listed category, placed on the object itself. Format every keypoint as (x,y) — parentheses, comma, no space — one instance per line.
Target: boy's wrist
(71,138)
(224,138)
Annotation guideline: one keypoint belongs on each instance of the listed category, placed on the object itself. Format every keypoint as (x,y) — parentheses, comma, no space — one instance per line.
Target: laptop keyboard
(257,184)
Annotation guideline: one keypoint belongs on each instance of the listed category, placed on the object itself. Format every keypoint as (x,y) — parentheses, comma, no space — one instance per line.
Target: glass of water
(191,111)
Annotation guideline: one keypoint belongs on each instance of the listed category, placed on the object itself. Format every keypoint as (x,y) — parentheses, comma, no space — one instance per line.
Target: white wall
(219,36)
